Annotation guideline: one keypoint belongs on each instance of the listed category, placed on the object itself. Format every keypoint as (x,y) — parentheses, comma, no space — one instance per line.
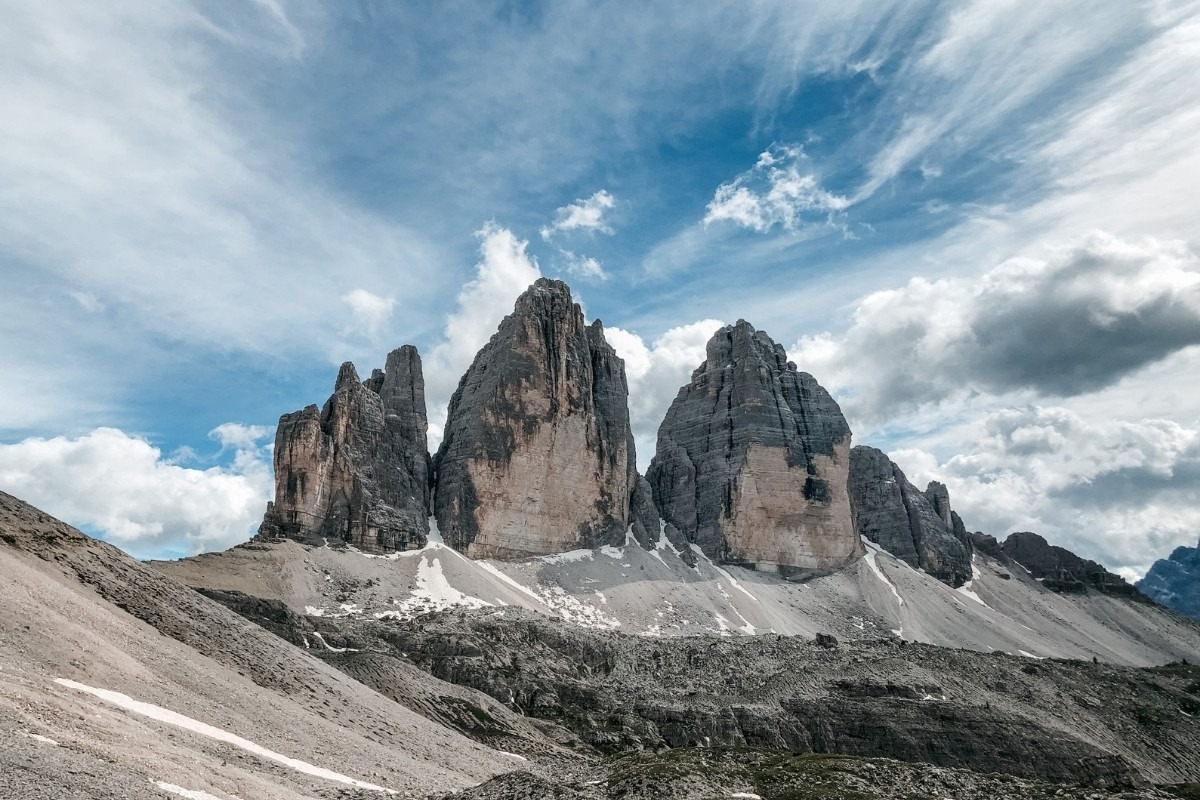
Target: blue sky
(976,223)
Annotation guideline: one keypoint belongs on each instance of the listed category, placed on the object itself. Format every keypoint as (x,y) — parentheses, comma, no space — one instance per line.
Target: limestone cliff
(917,527)
(752,459)
(538,456)
(358,470)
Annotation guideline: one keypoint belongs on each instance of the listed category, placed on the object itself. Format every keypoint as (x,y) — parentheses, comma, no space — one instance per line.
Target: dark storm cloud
(1066,326)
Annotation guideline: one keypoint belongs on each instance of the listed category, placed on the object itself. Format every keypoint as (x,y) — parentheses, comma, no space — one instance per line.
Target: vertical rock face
(1175,582)
(752,460)
(538,456)
(358,470)
(917,527)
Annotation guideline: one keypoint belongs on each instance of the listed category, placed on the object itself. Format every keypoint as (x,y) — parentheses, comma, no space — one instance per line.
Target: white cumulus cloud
(579,266)
(775,191)
(585,214)
(1122,492)
(1068,324)
(123,488)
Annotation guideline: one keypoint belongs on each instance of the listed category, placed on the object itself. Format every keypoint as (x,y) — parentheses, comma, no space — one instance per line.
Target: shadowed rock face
(538,456)
(752,461)
(917,527)
(358,470)
(1175,582)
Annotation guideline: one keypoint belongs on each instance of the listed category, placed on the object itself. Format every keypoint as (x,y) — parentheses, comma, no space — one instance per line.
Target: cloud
(371,312)
(584,267)
(1073,323)
(1122,492)
(121,487)
(656,372)
(582,215)
(186,206)
(774,192)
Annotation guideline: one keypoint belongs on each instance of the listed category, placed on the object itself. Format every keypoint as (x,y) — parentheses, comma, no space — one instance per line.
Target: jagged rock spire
(357,471)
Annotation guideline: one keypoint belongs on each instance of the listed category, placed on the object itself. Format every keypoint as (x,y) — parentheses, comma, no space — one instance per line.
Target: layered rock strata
(538,456)
(358,470)
(752,460)
(917,527)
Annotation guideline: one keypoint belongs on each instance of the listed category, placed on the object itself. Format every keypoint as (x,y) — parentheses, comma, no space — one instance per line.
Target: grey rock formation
(752,460)
(357,471)
(1175,582)
(917,527)
(1060,570)
(538,456)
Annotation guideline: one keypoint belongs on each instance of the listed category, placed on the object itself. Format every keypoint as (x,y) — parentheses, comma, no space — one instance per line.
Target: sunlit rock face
(917,527)
(538,456)
(752,461)
(357,471)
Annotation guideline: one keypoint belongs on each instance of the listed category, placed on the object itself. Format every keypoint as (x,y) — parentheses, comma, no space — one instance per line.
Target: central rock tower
(752,461)
(537,455)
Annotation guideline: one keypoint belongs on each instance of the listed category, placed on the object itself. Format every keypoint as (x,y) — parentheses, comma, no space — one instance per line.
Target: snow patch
(612,552)
(872,549)
(1031,655)
(966,589)
(329,647)
(567,557)
(747,795)
(37,737)
(512,755)
(195,726)
(190,794)
(574,610)
(431,593)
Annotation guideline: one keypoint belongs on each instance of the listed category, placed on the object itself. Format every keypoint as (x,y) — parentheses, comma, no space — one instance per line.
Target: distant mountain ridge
(1175,581)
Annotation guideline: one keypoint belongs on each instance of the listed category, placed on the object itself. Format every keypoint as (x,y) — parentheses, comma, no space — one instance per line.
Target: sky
(975,223)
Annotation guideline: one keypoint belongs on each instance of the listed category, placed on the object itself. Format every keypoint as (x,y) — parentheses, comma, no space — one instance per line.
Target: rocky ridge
(1175,581)
(917,527)
(1060,570)
(357,471)
(753,464)
(752,460)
